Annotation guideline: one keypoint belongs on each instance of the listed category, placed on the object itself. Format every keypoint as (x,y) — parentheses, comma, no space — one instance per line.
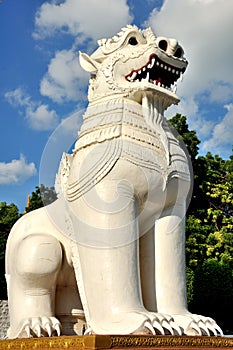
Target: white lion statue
(109,253)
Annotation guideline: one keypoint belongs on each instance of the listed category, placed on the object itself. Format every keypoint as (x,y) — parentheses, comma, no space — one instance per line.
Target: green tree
(181,130)
(209,243)
(209,231)
(9,214)
(212,288)
(43,195)
(189,140)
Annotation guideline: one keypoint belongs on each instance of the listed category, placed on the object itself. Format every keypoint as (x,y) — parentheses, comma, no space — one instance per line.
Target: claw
(219,330)
(167,326)
(48,329)
(27,330)
(37,330)
(158,326)
(148,325)
(202,325)
(88,331)
(211,328)
(194,326)
(176,327)
(214,327)
(57,329)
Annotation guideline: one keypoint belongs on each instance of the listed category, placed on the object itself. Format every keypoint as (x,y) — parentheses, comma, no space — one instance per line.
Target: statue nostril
(163,45)
(178,53)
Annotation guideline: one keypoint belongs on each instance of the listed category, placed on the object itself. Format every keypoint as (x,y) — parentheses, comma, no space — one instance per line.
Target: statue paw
(193,324)
(164,324)
(37,327)
(159,324)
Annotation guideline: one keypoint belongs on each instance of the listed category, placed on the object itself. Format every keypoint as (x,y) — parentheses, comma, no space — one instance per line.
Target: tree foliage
(213,292)
(9,214)
(209,231)
(41,196)
(181,130)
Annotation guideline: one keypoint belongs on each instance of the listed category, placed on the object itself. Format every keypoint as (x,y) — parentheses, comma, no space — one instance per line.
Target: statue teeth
(174,88)
(152,62)
(156,77)
(133,76)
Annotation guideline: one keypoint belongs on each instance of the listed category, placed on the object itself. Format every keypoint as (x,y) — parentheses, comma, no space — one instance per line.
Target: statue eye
(133,41)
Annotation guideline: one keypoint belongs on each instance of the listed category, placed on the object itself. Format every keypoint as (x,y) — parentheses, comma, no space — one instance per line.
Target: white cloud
(185,107)
(222,134)
(221,92)
(65,79)
(94,19)
(204,28)
(18,98)
(41,118)
(16,171)
(72,124)
(38,115)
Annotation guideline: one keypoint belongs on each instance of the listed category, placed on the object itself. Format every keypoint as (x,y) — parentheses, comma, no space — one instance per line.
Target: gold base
(98,342)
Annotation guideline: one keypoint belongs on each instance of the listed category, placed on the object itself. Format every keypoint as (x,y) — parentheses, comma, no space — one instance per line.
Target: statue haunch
(110,250)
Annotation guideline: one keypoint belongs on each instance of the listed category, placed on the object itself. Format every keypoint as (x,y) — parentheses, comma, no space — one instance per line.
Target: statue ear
(87,63)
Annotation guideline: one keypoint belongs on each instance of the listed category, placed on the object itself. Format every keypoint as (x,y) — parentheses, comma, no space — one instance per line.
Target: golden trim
(97,342)
(43,343)
(170,341)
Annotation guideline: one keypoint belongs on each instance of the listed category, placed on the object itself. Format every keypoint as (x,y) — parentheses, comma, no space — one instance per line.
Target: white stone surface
(4,318)
(112,245)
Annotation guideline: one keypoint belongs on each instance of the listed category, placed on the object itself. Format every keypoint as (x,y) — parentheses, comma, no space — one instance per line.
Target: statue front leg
(148,278)
(108,258)
(170,261)
(171,276)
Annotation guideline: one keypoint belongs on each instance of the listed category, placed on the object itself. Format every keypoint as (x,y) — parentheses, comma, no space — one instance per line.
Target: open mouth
(158,73)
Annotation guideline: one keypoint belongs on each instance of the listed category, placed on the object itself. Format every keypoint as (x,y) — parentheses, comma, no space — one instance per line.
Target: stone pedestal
(119,342)
(4,318)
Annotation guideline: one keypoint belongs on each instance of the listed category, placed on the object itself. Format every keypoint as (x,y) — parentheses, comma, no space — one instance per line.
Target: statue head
(133,63)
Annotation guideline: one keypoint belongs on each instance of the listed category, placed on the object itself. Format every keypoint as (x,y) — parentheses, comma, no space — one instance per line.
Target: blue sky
(43,88)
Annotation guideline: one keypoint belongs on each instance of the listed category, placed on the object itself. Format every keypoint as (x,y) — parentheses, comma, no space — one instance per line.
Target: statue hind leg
(32,273)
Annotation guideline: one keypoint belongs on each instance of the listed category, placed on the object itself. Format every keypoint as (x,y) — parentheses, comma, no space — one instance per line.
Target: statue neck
(149,105)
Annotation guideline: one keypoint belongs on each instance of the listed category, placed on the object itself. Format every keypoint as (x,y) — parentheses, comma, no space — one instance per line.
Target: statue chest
(123,126)
(119,119)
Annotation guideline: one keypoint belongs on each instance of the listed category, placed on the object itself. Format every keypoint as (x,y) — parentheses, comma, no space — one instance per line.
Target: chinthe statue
(111,248)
